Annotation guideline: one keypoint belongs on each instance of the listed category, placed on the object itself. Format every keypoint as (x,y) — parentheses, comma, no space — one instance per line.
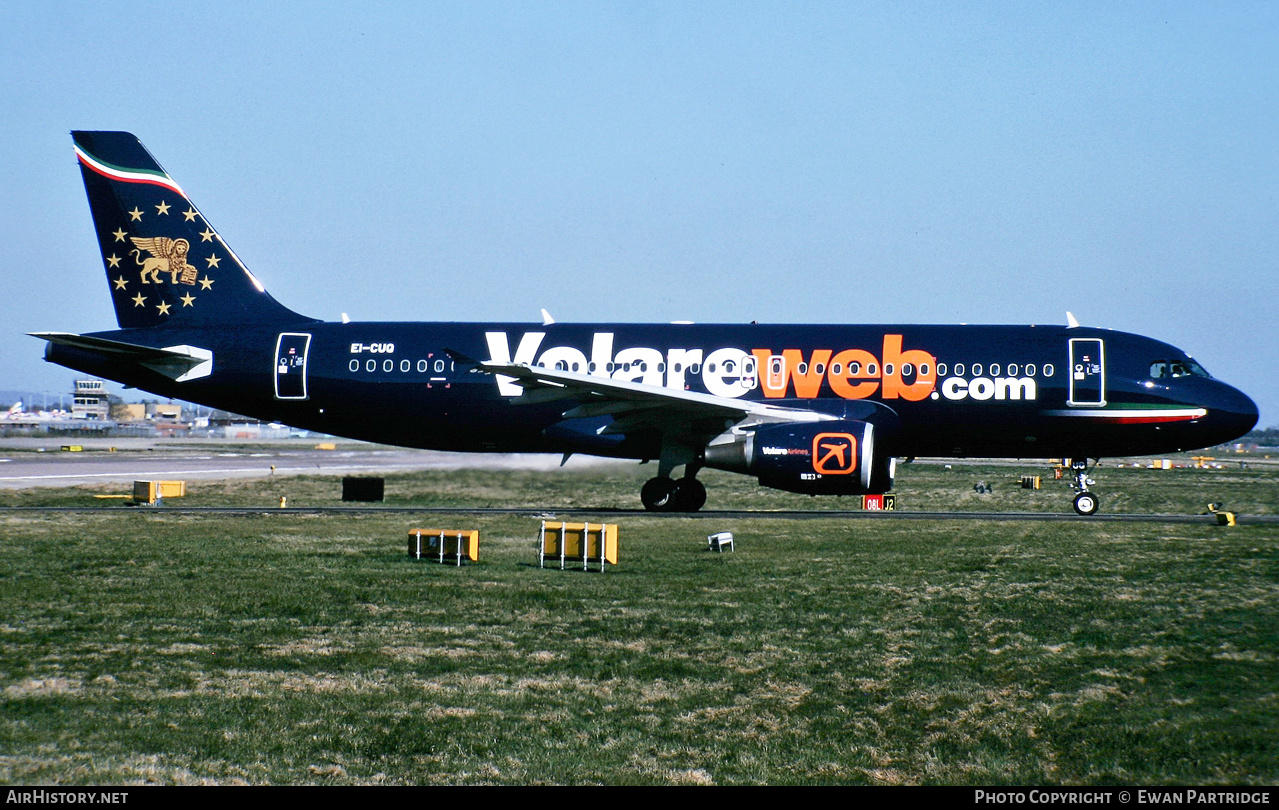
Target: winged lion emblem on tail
(167,256)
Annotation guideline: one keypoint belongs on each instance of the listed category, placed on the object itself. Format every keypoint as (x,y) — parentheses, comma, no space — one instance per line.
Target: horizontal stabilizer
(178,363)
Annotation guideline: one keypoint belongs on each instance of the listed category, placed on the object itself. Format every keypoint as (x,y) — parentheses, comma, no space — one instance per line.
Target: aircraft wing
(635,406)
(180,363)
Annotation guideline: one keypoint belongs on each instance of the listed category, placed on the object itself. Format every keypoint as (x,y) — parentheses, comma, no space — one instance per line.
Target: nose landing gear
(1086,502)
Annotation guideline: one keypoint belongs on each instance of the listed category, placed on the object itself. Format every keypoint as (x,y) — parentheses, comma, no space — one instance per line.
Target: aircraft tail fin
(165,263)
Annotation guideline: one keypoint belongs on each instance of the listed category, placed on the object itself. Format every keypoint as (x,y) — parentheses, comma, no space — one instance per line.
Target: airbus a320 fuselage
(809,409)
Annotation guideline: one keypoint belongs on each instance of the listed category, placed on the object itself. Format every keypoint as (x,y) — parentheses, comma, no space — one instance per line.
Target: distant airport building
(169,411)
(256,430)
(95,412)
(127,412)
(90,400)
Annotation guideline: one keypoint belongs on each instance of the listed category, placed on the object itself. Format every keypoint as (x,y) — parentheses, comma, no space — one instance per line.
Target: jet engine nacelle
(813,458)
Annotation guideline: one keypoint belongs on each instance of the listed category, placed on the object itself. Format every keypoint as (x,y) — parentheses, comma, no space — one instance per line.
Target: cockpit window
(1191,368)
(1172,369)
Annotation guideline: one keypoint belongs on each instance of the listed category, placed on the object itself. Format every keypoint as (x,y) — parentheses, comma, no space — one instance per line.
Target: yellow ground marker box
(152,491)
(574,542)
(445,545)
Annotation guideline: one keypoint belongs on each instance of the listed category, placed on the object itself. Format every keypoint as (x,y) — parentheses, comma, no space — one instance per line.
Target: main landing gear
(665,494)
(1086,503)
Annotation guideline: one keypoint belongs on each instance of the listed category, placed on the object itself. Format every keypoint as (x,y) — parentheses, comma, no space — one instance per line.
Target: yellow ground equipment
(149,492)
(445,545)
(572,542)
(1224,518)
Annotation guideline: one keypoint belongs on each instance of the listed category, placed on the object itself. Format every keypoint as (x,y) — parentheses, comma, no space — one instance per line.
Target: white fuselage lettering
(732,372)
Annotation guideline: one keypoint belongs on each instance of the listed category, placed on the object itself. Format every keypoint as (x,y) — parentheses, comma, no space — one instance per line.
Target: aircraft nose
(1234,413)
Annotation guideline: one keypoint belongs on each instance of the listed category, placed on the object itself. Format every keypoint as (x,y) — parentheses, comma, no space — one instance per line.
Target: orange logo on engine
(834,453)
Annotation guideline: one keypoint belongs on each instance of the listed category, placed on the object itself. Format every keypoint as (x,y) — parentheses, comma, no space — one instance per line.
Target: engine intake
(813,458)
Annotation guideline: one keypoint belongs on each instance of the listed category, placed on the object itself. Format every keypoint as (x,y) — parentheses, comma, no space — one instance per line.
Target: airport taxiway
(29,462)
(42,462)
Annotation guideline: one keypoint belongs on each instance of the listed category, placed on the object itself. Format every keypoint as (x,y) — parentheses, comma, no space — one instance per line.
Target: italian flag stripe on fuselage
(1134,415)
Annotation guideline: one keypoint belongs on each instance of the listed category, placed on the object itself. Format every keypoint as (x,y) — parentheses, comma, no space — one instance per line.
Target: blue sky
(811,163)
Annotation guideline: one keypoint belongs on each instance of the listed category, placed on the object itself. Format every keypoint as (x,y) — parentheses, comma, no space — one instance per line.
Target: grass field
(139,646)
(920,487)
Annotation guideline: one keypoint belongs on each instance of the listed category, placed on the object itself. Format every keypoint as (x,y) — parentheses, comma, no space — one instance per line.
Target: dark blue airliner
(811,409)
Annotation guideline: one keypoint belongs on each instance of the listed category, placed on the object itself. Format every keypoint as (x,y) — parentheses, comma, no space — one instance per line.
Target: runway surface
(31,462)
(41,462)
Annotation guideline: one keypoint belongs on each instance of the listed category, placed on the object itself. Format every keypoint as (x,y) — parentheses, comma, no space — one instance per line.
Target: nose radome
(1235,413)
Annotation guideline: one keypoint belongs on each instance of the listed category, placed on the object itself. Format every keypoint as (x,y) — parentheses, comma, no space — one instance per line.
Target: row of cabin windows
(1161,369)
(422,366)
(908,369)
(563,365)
(994,370)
